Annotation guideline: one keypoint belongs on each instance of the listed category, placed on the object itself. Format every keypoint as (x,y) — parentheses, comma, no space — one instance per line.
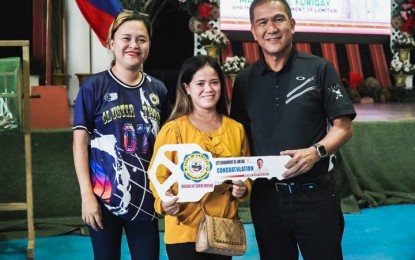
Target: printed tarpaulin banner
(99,14)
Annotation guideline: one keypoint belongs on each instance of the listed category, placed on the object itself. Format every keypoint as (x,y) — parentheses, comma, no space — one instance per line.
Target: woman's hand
(91,212)
(238,189)
(171,207)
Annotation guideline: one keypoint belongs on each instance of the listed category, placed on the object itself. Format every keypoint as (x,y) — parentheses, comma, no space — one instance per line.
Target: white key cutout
(197,172)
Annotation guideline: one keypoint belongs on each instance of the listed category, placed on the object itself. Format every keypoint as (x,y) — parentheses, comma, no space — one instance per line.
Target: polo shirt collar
(263,68)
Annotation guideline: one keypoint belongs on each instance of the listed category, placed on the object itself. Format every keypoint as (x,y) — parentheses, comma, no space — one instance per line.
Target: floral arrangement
(362,90)
(404,40)
(213,37)
(403,16)
(202,10)
(233,65)
(399,67)
(370,90)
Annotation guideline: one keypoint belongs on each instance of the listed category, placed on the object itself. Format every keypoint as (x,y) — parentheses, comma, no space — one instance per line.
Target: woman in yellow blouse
(200,116)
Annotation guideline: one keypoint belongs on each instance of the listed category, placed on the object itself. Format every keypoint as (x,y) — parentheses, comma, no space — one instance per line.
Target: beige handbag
(221,236)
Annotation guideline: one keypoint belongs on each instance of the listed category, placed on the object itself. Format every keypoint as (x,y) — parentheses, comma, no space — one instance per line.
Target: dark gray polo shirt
(290,109)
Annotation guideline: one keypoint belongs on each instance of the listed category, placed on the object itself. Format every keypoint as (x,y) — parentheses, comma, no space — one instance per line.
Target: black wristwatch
(321,150)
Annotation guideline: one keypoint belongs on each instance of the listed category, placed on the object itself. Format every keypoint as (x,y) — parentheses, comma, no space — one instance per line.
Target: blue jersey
(123,122)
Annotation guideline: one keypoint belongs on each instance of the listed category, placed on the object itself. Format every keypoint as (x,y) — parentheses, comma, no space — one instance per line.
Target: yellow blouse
(229,140)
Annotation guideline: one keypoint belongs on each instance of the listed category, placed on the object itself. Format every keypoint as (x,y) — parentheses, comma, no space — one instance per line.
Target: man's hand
(301,161)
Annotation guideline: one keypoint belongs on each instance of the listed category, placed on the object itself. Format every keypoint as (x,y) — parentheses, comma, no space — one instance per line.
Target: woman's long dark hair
(183,104)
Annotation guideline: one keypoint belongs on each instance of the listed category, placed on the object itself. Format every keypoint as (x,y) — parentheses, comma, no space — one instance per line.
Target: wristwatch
(321,150)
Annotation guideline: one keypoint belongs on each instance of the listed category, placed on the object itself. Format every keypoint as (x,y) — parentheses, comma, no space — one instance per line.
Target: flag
(99,14)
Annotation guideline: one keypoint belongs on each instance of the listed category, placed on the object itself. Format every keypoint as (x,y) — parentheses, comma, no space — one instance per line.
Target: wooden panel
(13,206)
(51,109)
(38,31)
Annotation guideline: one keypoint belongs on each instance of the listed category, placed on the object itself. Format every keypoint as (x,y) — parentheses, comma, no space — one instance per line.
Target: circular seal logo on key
(196,166)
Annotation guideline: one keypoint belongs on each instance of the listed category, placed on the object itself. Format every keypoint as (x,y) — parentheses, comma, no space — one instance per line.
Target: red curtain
(251,51)
(303,47)
(251,54)
(353,57)
(227,52)
(329,53)
(380,65)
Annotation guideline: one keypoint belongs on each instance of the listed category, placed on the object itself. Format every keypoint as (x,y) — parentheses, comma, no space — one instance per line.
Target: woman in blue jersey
(118,113)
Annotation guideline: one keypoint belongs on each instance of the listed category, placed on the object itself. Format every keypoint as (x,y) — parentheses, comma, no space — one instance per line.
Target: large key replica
(197,172)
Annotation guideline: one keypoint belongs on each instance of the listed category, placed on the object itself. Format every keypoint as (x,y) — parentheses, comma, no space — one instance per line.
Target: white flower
(404,41)
(233,65)
(405,67)
(213,37)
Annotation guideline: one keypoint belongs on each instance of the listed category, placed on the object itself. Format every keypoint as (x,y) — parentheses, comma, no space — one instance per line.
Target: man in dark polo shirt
(293,104)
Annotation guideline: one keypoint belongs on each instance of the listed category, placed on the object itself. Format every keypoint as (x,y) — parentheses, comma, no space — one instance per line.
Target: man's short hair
(257,2)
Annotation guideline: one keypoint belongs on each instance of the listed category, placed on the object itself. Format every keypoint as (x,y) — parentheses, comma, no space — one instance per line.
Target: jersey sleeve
(84,108)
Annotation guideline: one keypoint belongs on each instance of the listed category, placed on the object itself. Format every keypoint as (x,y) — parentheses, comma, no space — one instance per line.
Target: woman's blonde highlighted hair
(124,16)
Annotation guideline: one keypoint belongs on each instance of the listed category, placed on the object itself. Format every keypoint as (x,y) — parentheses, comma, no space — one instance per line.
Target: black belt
(291,188)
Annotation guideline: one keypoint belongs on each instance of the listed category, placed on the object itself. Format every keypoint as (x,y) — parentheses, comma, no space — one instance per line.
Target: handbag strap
(224,215)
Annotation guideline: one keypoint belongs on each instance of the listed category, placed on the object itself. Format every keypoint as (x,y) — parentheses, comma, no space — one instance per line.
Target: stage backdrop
(376,167)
